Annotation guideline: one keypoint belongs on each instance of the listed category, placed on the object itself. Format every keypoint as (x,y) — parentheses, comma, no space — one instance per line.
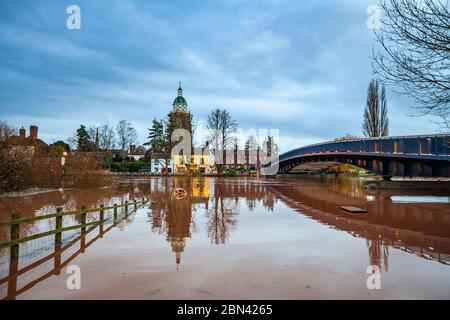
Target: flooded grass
(248,238)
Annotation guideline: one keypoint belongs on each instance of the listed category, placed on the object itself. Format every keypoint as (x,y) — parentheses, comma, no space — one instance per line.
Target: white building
(137,153)
(158,164)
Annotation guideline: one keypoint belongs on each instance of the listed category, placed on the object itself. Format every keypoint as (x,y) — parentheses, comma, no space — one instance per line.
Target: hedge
(133,166)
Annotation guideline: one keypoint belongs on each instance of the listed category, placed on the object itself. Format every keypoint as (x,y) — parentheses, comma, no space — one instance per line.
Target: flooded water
(236,238)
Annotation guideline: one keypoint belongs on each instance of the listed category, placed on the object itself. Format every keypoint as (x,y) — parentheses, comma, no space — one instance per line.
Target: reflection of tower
(178,247)
(179,220)
(175,217)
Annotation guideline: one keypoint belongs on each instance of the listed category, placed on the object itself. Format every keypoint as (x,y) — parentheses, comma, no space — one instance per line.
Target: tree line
(104,137)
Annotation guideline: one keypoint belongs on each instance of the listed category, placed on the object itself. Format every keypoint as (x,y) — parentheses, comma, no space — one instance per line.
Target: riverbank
(27,192)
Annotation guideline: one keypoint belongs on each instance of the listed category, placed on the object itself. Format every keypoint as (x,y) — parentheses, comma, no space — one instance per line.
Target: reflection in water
(214,207)
(378,253)
(420,228)
(217,199)
(59,262)
(222,215)
(387,223)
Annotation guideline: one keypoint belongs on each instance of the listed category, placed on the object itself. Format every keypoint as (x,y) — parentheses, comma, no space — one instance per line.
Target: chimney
(33,132)
(22,133)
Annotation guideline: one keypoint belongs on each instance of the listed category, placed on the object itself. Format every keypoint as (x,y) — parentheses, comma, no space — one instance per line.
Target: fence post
(14,259)
(115,213)
(83,219)
(126,208)
(83,229)
(58,226)
(102,212)
(58,240)
(135,204)
(15,235)
(102,217)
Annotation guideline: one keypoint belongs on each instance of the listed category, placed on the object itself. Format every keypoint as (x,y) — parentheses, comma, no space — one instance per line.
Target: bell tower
(180,104)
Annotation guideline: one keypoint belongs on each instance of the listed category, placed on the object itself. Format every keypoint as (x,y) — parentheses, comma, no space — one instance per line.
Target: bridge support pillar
(441,169)
(398,169)
(425,170)
(387,168)
(361,163)
(411,169)
(369,164)
(378,167)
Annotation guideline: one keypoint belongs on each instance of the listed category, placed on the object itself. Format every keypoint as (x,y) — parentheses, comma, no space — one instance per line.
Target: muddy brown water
(236,238)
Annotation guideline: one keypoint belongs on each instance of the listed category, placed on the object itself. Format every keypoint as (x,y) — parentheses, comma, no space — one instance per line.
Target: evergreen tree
(156,137)
(83,139)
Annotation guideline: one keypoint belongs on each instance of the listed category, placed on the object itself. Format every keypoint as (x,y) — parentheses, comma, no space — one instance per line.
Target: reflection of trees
(222,216)
(269,201)
(175,218)
(255,193)
(225,205)
(349,186)
(378,253)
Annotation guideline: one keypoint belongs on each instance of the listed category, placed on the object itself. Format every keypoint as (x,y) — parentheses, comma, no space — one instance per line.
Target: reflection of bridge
(414,237)
(427,156)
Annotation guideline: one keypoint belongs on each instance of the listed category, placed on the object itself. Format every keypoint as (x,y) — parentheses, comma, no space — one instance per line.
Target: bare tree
(384,120)
(126,136)
(376,122)
(269,146)
(6,131)
(93,132)
(251,144)
(107,137)
(414,52)
(221,128)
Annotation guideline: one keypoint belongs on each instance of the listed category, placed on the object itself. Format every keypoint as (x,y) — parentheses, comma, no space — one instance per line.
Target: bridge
(407,156)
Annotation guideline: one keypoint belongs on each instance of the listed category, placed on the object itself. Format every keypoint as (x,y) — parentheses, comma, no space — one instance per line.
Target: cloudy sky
(298,66)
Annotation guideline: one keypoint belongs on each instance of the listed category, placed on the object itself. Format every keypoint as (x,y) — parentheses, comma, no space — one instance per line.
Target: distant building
(137,153)
(27,147)
(159,165)
(200,161)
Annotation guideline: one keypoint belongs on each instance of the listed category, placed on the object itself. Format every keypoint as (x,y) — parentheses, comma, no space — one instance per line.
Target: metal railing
(424,146)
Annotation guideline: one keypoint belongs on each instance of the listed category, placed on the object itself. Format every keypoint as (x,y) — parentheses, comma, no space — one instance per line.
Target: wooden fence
(86,227)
